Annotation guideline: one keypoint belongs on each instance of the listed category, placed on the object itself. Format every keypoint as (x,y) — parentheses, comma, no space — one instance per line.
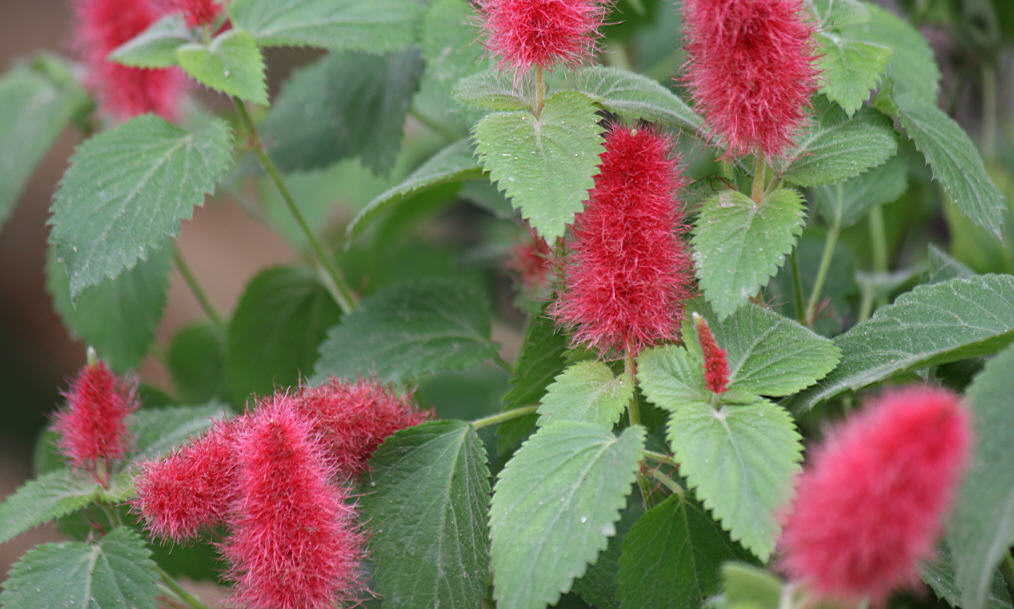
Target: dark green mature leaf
(546,165)
(587,391)
(849,68)
(740,460)
(671,558)
(554,508)
(845,203)
(126,191)
(115,573)
(495,89)
(346,104)
(911,66)
(231,63)
(739,244)
(118,316)
(455,163)
(597,586)
(376,26)
(407,331)
(982,521)
(940,575)
(156,431)
(635,96)
(196,362)
(156,46)
(426,513)
(45,498)
(932,324)
(279,324)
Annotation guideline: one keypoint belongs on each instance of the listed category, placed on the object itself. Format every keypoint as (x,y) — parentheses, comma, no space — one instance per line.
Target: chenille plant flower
(716,365)
(198,12)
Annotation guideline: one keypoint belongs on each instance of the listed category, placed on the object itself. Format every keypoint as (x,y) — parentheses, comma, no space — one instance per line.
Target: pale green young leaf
(231,63)
(849,68)
(739,244)
(845,203)
(426,513)
(126,191)
(117,572)
(671,376)
(156,46)
(749,587)
(410,330)
(118,316)
(546,165)
(586,391)
(376,26)
(943,267)
(495,89)
(836,14)
(45,498)
(157,431)
(940,574)
(740,460)
(554,508)
(635,96)
(932,324)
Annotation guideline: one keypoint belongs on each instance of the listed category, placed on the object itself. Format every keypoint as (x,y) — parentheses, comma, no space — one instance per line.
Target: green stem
(192,601)
(540,90)
(195,287)
(500,361)
(433,125)
(339,288)
(669,483)
(797,285)
(989,112)
(500,417)
(878,245)
(757,189)
(825,263)
(659,458)
(634,413)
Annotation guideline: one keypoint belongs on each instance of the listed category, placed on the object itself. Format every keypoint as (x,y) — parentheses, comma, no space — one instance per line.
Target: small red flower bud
(716,366)
(198,12)
(532,260)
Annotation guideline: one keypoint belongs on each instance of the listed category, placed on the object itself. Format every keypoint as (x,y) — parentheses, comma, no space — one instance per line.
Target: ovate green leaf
(495,89)
(45,498)
(157,431)
(156,46)
(671,376)
(849,68)
(587,391)
(635,96)
(196,362)
(231,63)
(845,203)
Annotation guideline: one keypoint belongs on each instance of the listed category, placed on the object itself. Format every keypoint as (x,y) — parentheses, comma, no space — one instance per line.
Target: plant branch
(797,285)
(500,361)
(825,263)
(757,188)
(634,414)
(540,90)
(659,458)
(195,288)
(500,417)
(878,244)
(192,601)
(669,483)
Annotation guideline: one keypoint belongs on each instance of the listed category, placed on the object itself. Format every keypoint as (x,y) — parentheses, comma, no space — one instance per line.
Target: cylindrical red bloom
(716,365)
(93,427)
(750,70)
(197,12)
(628,271)
(352,419)
(870,506)
(124,92)
(295,544)
(526,33)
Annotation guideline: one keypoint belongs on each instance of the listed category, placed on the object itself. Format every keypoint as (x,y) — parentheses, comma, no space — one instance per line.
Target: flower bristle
(627,270)
(750,71)
(716,364)
(197,12)
(871,505)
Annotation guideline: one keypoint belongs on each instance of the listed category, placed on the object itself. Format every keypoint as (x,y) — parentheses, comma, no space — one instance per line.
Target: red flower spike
(353,418)
(197,12)
(716,366)
(750,70)
(870,506)
(628,272)
(532,260)
(93,427)
(124,92)
(295,545)
(526,33)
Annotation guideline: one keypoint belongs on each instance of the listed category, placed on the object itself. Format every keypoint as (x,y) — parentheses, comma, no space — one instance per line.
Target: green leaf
(932,324)
(740,460)
(554,508)
(280,322)
(836,147)
(671,376)
(118,316)
(126,191)
(940,575)
(157,431)
(749,587)
(545,165)
(115,573)
(849,68)
(346,104)
(407,331)
(426,513)
(942,267)
(845,203)
(156,46)
(455,163)
(840,13)
(671,558)
(449,48)
(494,89)
(635,96)
(232,64)
(982,521)
(587,391)
(45,498)
(597,586)
(955,162)
(376,26)
(739,244)
(196,362)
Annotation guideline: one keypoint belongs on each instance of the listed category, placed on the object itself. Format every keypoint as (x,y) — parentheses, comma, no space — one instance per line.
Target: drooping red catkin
(870,506)
(93,426)
(750,70)
(627,271)
(526,33)
(716,365)
(197,12)
(295,544)
(123,92)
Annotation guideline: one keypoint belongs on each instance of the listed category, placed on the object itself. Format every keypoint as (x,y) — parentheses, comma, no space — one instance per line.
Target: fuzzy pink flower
(750,70)
(124,92)
(716,365)
(353,418)
(295,544)
(870,506)
(532,261)
(93,427)
(197,12)
(628,272)
(526,33)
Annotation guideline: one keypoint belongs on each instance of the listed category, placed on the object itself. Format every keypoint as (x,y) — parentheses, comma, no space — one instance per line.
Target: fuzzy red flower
(295,544)
(124,92)
(93,427)
(716,365)
(870,506)
(526,33)
(197,12)
(628,272)
(750,70)
(532,261)
(353,418)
